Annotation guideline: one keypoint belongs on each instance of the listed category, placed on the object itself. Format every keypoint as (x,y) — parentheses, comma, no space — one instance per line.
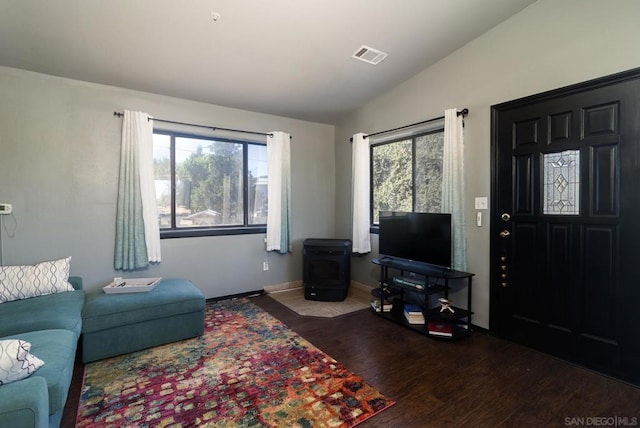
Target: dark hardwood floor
(480,381)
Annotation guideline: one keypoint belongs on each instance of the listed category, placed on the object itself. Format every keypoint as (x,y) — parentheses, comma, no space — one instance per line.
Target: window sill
(219,231)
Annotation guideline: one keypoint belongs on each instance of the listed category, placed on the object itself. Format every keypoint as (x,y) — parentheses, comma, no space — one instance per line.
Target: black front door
(565,225)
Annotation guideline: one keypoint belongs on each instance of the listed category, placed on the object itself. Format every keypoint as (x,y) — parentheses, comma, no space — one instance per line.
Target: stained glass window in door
(561,172)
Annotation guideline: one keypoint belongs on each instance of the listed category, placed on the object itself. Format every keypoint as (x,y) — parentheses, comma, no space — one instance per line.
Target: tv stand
(445,321)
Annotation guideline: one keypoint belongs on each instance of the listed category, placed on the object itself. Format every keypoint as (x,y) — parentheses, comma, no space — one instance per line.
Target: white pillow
(17,361)
(21,282)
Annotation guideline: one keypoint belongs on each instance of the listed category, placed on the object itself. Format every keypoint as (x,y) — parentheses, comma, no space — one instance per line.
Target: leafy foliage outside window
(428,172)
(391,176)
(209,183)
(406,175)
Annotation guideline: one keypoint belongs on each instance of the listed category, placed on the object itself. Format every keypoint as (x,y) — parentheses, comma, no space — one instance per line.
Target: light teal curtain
(453,193)
(279,192)
(130,248)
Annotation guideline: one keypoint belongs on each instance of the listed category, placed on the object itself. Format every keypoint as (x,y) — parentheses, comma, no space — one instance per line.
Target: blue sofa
(52,324)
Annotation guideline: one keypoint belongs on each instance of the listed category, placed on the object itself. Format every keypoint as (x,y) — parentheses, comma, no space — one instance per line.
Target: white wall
(59,160)
(548,45)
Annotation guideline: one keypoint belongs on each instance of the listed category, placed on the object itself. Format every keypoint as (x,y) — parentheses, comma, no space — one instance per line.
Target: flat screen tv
(419,237)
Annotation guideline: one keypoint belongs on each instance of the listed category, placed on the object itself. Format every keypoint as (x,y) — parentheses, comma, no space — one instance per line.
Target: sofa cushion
(57,348)
(16,361)
(22,282)
(61,310)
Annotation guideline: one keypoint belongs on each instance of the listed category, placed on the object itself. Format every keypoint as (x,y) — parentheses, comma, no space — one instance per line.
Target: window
(406,174)
(209,186)
(561,186)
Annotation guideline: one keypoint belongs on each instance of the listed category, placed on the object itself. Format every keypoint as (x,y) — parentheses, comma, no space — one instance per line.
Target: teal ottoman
(114,324)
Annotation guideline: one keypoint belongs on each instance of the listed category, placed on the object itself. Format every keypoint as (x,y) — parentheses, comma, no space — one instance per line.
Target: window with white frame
(209,186)
(406,174)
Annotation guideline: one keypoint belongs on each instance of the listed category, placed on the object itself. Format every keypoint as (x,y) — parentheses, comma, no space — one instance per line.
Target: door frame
(495,221)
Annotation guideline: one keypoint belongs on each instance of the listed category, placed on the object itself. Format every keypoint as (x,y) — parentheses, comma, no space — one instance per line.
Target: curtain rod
(213,128)
(462,113)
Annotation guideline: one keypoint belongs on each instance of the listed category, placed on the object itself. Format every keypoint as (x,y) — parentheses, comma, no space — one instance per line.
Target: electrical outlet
(265,265)
(6,209)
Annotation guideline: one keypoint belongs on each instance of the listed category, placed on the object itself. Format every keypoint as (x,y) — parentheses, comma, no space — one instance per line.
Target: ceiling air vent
(370,55)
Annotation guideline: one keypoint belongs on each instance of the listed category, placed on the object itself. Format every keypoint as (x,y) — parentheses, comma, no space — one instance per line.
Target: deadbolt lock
(505,217)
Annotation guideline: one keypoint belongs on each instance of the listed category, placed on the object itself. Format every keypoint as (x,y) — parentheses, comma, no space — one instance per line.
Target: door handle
(505,234)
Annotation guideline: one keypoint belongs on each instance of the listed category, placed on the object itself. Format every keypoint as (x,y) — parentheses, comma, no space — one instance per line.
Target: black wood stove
(326,271)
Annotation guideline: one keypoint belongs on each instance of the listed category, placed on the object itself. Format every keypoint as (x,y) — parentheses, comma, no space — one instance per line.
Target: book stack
(375,305)
(439,329)
(413,314)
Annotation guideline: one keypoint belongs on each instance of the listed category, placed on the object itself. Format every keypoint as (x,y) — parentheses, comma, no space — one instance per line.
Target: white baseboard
(274,288)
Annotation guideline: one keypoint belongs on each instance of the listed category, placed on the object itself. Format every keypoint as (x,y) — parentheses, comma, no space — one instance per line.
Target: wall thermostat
(5,208)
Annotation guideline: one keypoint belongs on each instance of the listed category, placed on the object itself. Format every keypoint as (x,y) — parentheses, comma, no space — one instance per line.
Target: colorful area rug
(247,370)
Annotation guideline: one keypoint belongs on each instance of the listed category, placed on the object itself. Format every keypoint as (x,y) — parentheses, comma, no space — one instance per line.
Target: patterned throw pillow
(17,361)
(22,282)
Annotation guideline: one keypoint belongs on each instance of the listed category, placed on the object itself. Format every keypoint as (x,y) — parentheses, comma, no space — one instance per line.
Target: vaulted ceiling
(289,58)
